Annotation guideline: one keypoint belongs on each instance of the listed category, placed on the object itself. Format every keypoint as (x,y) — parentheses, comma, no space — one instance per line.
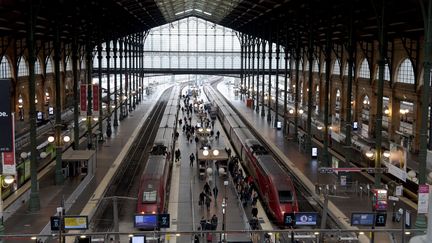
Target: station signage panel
(138,239)
(314,152)
(151,221)
(164,220)
(146,221)
(75,222)
(6,143)
(306,219)
(362,219)
(289,219)
(381,219)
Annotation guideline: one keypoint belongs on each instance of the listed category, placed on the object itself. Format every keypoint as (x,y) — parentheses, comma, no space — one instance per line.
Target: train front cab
(149,199)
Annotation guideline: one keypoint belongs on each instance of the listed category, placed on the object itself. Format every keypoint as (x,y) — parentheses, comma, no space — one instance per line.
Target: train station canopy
(100,20)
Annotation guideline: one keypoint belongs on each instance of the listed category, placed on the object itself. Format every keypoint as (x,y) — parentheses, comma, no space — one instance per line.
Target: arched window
(49,66)
(315,67)
(38,67)
(324,66)
(406,72)
(364,71)
(5,68)
(22,67)
(301,65)
(336,67)
(386,73)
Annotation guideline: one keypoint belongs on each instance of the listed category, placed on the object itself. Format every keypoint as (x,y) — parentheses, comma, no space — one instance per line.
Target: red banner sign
(83,99)
(95,99)
(9,167)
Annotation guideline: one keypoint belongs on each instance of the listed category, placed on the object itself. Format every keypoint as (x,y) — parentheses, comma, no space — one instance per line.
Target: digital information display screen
(146,221)
(306,219)
(138,239)
(75,222)
(362,219)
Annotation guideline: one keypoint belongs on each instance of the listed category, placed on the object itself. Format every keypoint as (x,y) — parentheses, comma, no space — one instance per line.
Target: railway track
(125,183)
(305,198)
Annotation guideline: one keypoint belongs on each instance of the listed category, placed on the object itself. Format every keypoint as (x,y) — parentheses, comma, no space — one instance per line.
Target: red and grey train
(274,184)
(153,190)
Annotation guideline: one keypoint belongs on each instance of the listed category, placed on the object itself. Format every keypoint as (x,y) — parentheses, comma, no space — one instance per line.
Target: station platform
(186,185)
(51,196)
(344,200)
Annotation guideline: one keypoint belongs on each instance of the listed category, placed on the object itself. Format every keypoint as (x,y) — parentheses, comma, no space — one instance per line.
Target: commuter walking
(202,196)
(207,202)
(207,189)
(254,211)
(192,158)
(215,192)
(178,155)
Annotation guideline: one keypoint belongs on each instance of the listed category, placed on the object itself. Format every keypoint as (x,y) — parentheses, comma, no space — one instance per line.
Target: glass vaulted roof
(213,10)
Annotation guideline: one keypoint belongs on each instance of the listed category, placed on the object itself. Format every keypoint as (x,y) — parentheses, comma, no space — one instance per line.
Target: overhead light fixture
(198,10)
(188,10)
(207,13)
(178,13)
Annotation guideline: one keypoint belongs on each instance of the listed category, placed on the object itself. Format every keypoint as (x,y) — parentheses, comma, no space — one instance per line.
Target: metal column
(108,74)
(380,91)
(115,82)
(89,63)
(263,79)
(296,99)
(328,60)
(258,43)
(425,102)
(249,43)
(308,142)
(269,81)
(277,82)
(58,140)
(34,203)
(348,118)
(253,72)
(121,77)
(241,62)
(286,58)
(99,57)
(75,92)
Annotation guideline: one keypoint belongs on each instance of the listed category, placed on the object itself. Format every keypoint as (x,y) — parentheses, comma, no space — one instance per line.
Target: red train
(274,184)
(152,193)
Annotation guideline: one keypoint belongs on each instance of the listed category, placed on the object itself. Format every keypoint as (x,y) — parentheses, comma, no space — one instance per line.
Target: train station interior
(215,121)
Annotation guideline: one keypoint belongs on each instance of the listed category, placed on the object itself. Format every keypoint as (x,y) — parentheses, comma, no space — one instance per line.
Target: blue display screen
(146,221)
(306,218)
(365,219)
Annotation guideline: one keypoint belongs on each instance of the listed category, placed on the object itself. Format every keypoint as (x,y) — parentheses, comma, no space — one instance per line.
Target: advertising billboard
(6,143)
(397,161)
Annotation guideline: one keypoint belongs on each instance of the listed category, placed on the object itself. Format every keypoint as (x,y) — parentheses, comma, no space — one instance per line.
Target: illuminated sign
(362,219)
(75,222)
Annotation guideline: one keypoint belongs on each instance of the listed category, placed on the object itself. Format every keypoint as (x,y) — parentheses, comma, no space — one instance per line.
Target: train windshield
(285,196)
(149,196)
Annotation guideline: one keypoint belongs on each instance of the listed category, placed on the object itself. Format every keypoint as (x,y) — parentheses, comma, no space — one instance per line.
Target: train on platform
(274,184)
(154,183)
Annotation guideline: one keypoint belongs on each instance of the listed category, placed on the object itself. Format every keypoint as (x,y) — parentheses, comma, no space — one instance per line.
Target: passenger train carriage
(274,184)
